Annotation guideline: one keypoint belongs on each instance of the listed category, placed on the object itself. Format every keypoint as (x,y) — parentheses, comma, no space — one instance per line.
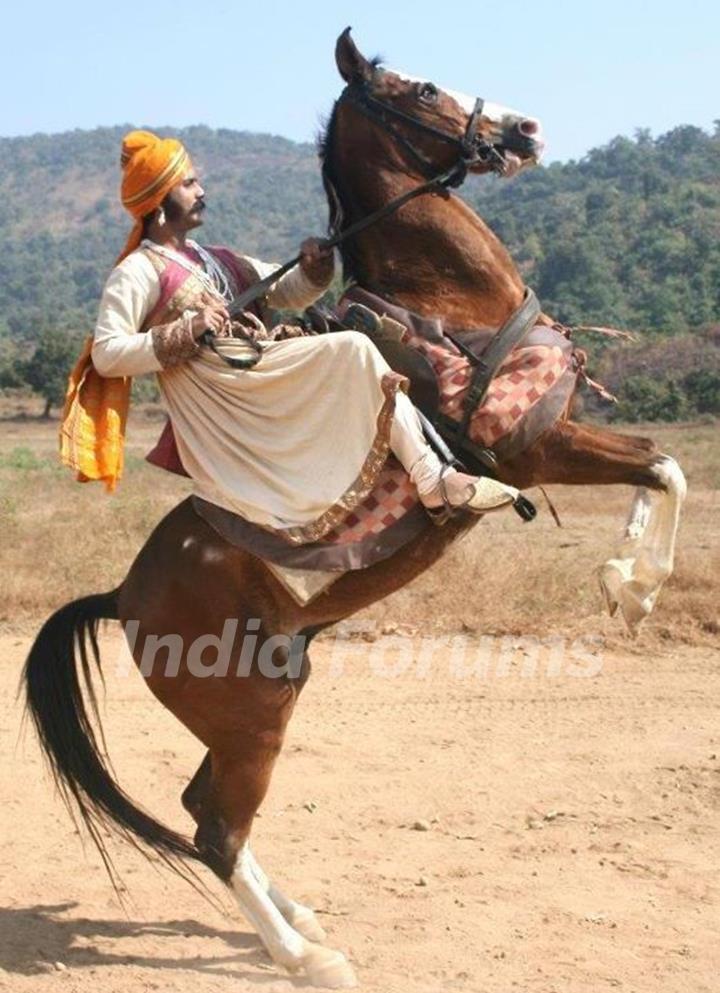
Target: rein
(451,178)
(471,147)
(448,179)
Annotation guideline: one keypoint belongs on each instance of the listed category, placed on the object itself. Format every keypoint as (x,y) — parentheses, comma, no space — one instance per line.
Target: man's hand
(212,317)
(317,261)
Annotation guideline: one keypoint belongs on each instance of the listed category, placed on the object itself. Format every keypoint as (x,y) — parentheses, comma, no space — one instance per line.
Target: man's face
(185,203)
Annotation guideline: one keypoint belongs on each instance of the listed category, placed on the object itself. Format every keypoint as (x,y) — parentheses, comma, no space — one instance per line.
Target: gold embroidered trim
(188,296)
(367,477)
(174,343)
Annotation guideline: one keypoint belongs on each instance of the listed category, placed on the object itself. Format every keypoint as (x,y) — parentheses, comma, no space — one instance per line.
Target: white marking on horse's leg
(639,515)
(322,966)
(656,557)
(300,917)
(617,570)
(644,560)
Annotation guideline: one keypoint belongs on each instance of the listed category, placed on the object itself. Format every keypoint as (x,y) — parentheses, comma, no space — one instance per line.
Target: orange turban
(151,167)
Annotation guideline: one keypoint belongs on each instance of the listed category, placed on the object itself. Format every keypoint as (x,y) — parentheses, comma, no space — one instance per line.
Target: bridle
(472,148)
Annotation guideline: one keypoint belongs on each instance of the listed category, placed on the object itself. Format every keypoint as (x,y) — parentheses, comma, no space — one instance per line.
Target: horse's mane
(339,201)
(325,148)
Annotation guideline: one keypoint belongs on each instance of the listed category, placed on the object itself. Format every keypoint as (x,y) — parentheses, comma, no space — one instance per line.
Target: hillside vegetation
(628,236)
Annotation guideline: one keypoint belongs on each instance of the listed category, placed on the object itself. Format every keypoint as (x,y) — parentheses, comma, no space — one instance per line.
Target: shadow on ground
(32,939)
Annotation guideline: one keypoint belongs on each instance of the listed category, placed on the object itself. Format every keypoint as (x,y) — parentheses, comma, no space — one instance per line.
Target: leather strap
(437,184)
(487,364)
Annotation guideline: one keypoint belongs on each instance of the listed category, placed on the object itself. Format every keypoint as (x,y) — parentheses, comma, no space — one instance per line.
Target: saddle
(362,311)
(387,325)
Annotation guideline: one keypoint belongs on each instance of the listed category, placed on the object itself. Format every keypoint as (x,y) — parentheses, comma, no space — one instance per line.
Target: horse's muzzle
(524,139)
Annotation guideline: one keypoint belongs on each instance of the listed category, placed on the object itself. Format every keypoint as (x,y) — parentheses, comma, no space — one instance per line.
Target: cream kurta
(293,443)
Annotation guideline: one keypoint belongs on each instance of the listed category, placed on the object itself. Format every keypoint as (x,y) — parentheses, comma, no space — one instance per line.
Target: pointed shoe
(489,495)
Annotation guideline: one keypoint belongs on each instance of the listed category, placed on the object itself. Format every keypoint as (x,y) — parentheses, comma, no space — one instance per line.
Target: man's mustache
(200,205)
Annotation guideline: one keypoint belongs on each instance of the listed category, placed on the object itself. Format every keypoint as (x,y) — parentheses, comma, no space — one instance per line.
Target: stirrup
(477,502)
(441,515)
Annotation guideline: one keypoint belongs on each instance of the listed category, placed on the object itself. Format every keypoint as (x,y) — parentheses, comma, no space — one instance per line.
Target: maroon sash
(165,454)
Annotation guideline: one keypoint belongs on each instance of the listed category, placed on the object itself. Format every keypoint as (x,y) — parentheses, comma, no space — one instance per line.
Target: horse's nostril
(529,127)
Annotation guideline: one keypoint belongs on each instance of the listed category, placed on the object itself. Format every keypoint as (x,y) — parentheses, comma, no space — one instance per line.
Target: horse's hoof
(329,969)
(635,608)
(622,592)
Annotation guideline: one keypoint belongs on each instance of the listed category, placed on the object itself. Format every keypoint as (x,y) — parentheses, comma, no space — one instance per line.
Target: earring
(160,216)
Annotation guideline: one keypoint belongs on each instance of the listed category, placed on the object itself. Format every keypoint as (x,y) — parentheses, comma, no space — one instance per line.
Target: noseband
(472,147)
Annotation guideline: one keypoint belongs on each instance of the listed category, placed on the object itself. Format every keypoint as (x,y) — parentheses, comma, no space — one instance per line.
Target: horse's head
(438,127)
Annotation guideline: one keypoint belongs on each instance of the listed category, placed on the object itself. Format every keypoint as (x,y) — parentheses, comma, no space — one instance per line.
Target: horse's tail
(55,701)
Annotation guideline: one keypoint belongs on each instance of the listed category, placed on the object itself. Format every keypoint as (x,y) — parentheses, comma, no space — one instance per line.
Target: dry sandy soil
(570,799)
(569,806)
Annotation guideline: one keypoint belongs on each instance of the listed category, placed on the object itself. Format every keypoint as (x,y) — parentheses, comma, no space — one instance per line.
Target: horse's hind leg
(302,918)
(196,792)
(239,779)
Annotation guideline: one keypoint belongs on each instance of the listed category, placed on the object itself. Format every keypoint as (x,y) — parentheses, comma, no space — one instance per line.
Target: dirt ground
(567,789)
(467,817)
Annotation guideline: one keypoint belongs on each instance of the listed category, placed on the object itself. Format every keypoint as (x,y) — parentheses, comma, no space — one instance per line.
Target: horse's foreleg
(633,578)
(584,455)
(576,454)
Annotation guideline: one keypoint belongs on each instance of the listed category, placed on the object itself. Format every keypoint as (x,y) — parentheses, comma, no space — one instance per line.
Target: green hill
(628,236)
(62,226)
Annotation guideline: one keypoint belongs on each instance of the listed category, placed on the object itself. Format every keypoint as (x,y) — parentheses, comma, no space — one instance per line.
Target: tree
(702,387)
(10,374)
(46,372)
(642,398)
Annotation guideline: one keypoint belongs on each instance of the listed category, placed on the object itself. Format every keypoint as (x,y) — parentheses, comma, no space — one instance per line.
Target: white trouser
(409,446)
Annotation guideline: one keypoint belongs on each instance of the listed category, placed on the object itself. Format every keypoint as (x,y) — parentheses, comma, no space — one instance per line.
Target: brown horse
(438,258)
(188,591)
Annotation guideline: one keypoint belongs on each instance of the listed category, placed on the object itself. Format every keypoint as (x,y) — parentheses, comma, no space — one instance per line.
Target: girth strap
(486,365)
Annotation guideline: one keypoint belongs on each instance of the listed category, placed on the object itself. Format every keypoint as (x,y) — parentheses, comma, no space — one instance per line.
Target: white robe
(292,444)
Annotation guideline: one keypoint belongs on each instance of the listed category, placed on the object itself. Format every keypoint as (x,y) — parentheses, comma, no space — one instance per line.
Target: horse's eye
(428,93)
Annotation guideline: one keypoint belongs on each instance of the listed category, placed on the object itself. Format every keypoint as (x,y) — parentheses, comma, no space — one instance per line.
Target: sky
(588,71)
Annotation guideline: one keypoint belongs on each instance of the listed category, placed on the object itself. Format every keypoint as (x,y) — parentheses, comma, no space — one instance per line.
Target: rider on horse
(294,443)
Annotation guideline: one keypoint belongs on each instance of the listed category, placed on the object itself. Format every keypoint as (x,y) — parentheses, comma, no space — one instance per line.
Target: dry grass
(62,540)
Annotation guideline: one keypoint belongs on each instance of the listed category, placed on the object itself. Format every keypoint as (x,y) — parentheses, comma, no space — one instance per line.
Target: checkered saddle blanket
(529,392)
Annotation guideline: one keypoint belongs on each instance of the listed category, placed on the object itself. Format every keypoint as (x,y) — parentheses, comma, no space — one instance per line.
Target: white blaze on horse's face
(502,121)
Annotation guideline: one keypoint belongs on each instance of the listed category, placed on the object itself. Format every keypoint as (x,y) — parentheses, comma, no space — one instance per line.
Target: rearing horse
(187,582)
(436,257)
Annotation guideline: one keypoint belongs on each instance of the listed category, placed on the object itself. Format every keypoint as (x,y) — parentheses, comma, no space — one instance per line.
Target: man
(296,442)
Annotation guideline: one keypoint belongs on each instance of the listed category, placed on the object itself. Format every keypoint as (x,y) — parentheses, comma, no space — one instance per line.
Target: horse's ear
(351,63)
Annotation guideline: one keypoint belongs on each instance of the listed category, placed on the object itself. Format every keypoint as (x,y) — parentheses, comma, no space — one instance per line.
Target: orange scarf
(92,432)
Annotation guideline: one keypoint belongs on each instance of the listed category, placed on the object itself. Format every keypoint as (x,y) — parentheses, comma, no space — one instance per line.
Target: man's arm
(128,298)
(307,281)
